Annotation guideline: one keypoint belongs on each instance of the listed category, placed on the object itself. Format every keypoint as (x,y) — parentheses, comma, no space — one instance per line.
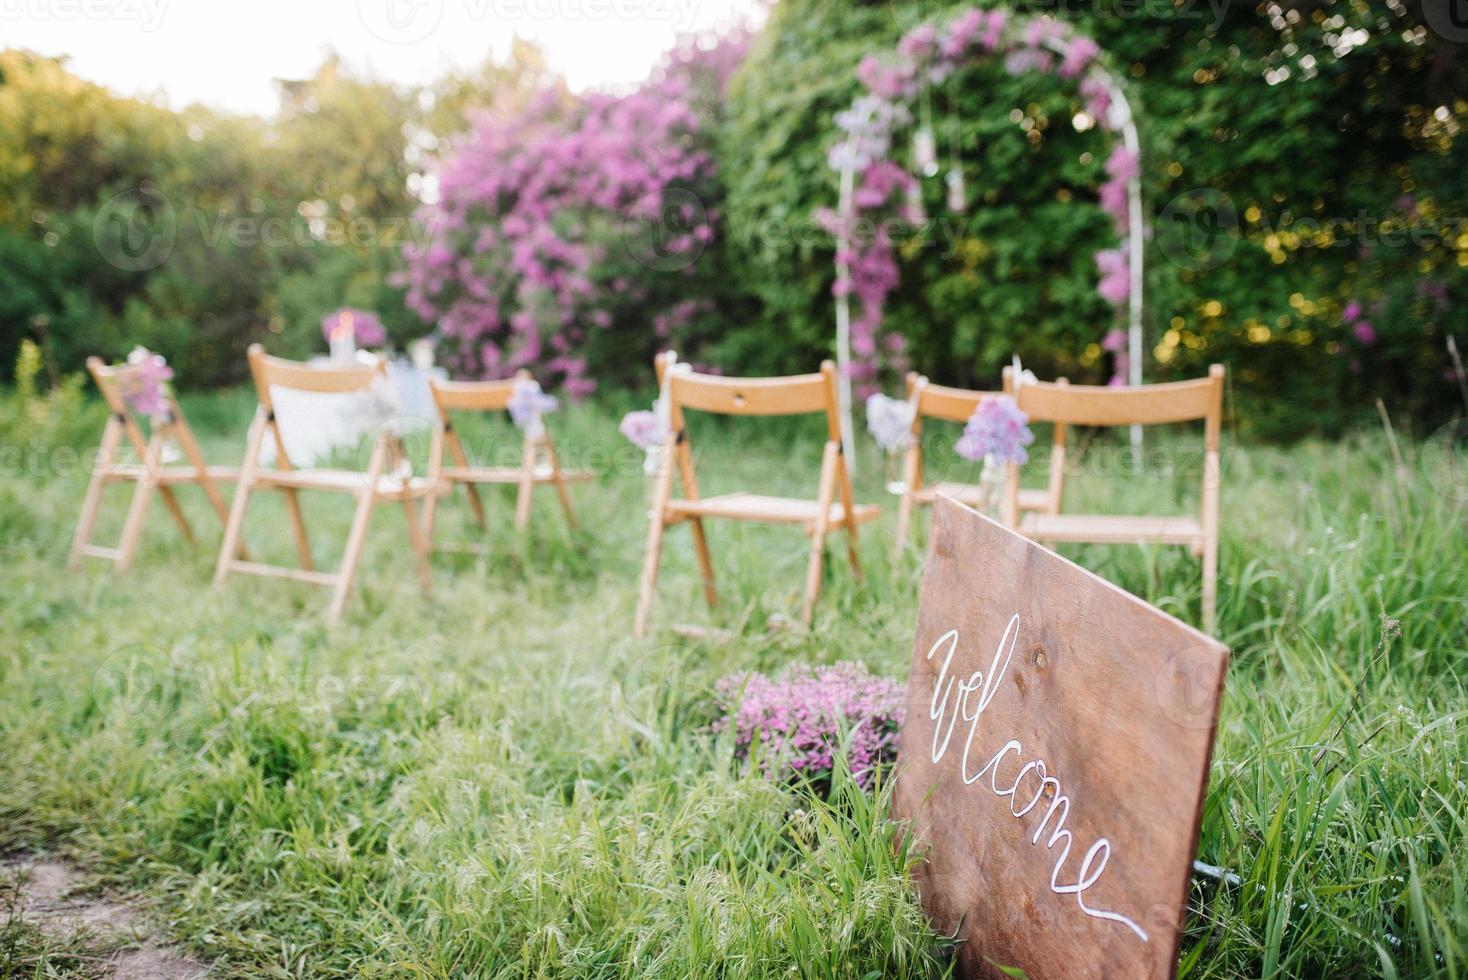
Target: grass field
(502,782)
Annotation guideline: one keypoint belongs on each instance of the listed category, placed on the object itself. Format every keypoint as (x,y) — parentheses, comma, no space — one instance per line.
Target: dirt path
(111,939)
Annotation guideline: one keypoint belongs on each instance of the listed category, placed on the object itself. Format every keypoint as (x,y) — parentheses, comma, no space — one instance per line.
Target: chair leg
(911,475)
(351,556)
(818,533)
(232,545)
(419,542)
(851,551)
(298,525)
(654,542)
(476,505)
(528,454)
(560,482)
(430,516)
(92,502)
(1210,585)
(170,501)
(813,574)
(132,528)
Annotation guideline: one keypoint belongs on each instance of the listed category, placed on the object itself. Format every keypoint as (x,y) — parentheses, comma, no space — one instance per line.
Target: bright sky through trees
(227,54)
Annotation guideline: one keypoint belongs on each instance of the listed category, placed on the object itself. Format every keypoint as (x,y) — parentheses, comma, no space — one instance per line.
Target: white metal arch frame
(1122,121)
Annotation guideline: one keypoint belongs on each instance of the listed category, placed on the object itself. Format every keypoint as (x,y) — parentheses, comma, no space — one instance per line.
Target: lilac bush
(574,217)
(796,722)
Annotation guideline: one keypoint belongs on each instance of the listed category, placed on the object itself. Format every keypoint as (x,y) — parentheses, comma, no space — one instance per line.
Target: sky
(226,54)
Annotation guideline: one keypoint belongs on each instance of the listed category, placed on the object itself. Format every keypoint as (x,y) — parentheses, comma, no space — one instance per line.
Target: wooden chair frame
(798,395)
(368,488)
(1160,404)
(930,401)
(540,464)
(149,475)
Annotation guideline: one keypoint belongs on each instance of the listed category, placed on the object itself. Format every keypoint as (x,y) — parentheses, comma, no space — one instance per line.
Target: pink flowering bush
(796,723)
(578,225)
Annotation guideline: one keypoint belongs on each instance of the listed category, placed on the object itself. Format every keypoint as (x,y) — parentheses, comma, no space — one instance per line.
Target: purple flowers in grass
(998,429)
(645,429)
(144,383)
(528,402)
(363,326)
(795,724)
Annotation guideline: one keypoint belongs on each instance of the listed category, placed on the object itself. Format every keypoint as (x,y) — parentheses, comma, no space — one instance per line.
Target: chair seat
(350,481)
(971,494)
(174,475)
(510,474)
(1111,529)
(769,510)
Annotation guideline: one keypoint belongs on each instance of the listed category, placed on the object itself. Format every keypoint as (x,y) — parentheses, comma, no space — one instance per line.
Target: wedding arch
(866,263)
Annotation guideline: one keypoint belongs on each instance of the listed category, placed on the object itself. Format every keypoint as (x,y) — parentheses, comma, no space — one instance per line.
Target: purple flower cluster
(519,266)
(365,327)
(527,402)
(797,722)
(645,429)
(997,428)
(885,191)
(144,383)
(1115,343)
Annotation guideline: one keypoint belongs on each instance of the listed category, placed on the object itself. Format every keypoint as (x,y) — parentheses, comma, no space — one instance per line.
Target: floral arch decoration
(875,188)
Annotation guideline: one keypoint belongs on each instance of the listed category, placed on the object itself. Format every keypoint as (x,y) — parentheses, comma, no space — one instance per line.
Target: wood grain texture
(1117,702)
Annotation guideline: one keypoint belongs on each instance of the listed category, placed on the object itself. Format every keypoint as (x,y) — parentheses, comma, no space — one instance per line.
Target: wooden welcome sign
(1054,759)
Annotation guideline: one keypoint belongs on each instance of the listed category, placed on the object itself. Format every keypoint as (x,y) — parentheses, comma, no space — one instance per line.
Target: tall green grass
(502,782)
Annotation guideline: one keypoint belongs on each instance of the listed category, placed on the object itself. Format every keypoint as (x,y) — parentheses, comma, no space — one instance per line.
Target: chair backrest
(474,396)
(1197,400)
(334,380)
(110,379)
(801,394)
(931,401)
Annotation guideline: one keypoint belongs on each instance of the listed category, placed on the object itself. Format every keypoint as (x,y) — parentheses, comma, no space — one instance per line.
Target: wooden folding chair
(806,394)
(150,473)
(539,463)
(930,401)
(376,485)
(1159,404)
